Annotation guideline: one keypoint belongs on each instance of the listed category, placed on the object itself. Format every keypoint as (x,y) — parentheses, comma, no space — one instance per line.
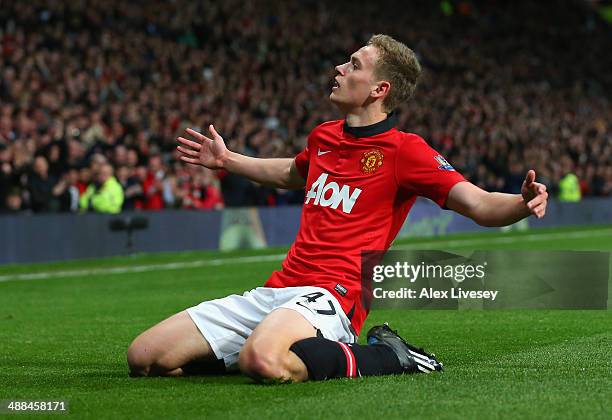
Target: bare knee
(139,358)
(260,364)
(144,360)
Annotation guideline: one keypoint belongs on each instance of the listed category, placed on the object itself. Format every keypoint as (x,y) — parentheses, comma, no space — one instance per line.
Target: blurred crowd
(93,93)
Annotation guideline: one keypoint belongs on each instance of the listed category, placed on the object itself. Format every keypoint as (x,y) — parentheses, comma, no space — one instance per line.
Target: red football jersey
(361,183)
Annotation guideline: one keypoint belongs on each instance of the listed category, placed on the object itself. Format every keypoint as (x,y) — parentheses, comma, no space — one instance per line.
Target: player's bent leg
(386,354)
(266,354)
(166,348)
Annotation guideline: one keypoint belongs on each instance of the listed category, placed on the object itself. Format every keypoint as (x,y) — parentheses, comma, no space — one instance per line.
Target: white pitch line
(279,257)
(141,268)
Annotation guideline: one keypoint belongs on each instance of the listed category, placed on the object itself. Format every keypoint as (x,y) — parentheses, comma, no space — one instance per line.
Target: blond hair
(398,65)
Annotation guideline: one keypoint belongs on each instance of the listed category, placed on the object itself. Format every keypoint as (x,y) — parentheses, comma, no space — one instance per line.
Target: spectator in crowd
(66,191)
(13,202)
(132,187)
(200,191)
(84,179)
(105,195)
(569,186)
(40,187)
(6,172)
(153,184)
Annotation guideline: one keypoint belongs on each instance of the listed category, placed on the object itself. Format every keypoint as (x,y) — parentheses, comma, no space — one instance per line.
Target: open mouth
(335,85)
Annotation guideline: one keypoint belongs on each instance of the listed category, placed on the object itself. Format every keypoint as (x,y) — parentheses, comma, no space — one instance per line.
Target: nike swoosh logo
(321,152)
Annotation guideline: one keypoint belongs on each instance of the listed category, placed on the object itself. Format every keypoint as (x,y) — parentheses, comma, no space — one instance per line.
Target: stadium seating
(506,87)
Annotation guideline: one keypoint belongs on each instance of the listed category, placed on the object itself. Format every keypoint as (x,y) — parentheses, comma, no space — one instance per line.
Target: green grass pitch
(65,337)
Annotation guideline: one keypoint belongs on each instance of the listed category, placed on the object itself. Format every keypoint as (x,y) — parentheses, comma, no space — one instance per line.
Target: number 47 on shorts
(311,298)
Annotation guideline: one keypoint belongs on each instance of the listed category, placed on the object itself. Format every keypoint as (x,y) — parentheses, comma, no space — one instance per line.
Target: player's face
(355,80)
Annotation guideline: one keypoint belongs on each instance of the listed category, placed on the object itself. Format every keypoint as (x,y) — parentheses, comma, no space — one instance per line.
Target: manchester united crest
(371,161)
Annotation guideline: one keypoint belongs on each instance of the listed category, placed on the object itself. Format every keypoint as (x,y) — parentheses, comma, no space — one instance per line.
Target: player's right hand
(210,152)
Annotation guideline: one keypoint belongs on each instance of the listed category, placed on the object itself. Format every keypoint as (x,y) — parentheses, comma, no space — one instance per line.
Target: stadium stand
(507,86)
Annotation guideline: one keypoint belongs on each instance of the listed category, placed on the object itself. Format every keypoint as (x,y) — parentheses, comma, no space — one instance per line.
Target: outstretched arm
(499,209)
(212,153)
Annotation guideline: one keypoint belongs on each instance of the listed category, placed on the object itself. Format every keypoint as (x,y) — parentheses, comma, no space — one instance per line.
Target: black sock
(326,359)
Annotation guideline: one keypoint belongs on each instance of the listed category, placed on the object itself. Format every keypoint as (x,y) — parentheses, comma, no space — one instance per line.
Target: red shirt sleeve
(302,160)
(423,171)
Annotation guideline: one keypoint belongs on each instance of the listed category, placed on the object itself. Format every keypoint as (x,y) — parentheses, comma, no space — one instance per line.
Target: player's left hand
(535,195)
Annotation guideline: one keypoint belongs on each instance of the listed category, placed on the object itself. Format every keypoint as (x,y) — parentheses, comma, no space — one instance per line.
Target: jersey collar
(373,129)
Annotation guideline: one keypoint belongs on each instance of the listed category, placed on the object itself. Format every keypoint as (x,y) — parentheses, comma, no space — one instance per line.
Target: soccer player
(362,175)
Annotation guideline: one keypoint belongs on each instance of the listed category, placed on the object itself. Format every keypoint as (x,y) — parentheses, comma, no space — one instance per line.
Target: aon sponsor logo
(331,195)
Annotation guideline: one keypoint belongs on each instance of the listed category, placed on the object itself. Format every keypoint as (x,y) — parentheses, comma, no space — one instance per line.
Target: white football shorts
(227,322)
